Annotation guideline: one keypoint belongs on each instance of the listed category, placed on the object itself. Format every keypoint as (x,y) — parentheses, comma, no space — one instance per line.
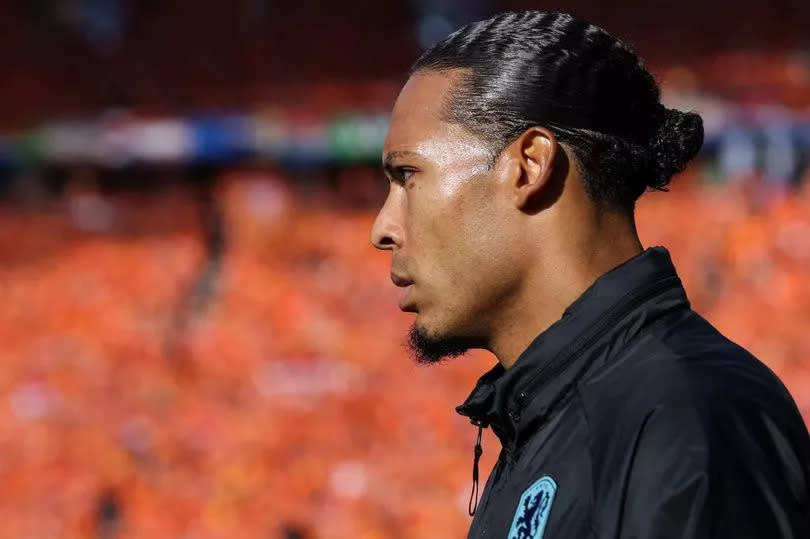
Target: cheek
(472,256)
(457,238)
(486,261)
(469,285)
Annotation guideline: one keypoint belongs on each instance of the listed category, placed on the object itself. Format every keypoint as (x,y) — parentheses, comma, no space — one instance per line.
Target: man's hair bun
(676,141)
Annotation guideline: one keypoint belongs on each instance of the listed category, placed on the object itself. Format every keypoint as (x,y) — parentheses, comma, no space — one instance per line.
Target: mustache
(399,268)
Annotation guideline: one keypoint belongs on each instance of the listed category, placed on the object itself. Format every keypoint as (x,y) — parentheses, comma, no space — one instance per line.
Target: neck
(568,266)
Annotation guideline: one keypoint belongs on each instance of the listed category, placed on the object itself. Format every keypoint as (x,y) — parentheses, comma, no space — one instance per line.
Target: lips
(400,281)
(402,300)
(406,285)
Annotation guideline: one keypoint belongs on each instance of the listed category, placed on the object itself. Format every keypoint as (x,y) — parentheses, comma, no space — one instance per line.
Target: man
(515,155)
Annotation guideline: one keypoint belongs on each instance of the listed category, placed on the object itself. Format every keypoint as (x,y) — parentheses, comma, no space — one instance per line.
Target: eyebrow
(390,156)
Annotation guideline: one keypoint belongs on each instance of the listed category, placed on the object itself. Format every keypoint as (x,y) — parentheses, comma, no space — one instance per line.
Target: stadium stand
(221,355)
(281,393)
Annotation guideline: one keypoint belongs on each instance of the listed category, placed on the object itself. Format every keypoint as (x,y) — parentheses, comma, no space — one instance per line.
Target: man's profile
(516,152)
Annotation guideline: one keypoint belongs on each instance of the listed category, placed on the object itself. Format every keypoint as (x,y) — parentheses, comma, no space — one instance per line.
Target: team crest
(533,509)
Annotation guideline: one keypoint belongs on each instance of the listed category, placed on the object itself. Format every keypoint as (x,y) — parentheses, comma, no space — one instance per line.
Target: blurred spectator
(295,401)
(108,516)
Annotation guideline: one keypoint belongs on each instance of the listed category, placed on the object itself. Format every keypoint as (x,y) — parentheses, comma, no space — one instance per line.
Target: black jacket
(633,417)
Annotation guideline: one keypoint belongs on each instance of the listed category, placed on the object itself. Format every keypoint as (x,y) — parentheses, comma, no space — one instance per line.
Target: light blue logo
(533,509)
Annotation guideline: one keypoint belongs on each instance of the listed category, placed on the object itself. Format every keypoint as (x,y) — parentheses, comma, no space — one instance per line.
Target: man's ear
(534,152)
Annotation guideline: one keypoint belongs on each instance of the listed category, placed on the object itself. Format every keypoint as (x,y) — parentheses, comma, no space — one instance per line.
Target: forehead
(416,119)
(418,107)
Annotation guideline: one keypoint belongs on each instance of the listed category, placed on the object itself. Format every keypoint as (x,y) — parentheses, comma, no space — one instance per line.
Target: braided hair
(534,68)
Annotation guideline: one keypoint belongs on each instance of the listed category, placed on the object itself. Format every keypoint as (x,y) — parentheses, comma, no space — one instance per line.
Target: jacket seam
(578,391)
(624,306)
(588,440)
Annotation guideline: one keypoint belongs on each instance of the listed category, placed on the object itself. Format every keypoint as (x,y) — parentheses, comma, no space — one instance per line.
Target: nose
(386,232)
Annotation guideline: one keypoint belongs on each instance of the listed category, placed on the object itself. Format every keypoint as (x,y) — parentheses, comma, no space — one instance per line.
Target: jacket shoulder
(689,364)
(686,411)
(699,386)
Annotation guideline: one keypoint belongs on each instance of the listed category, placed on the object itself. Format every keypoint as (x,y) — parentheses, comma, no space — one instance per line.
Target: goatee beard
(427,350)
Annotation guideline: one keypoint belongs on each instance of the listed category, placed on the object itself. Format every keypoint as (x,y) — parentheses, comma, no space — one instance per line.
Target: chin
(425,325)
(430,323)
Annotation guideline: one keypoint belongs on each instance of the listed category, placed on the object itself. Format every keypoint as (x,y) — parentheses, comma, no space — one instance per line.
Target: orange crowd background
(226,359)
(151,391)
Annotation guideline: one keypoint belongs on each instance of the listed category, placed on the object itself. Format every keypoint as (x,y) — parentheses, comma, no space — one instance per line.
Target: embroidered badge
(533,509)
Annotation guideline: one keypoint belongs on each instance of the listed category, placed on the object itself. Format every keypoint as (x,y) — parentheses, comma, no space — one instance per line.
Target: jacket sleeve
(711,469)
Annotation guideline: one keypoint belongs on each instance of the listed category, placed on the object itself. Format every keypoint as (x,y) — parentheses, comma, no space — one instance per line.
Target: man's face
(445,222)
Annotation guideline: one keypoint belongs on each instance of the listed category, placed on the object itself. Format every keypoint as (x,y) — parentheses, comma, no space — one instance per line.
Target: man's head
(514,138)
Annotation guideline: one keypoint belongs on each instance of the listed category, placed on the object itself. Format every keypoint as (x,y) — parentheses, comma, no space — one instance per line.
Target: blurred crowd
(225,358)
(217,353)
(77,57)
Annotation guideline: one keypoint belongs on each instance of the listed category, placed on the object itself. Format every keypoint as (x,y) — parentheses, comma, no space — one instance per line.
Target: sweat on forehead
(418,128)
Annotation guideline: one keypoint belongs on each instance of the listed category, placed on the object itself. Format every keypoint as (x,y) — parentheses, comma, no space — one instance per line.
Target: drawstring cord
(477,455)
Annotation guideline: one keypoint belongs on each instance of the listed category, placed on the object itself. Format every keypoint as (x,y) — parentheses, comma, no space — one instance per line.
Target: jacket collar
(607,315)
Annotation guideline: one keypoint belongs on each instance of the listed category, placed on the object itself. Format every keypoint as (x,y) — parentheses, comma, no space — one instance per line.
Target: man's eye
(404,173)
(399,175)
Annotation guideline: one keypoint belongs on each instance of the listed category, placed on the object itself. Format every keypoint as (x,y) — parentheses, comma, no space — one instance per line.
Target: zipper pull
(477,455)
